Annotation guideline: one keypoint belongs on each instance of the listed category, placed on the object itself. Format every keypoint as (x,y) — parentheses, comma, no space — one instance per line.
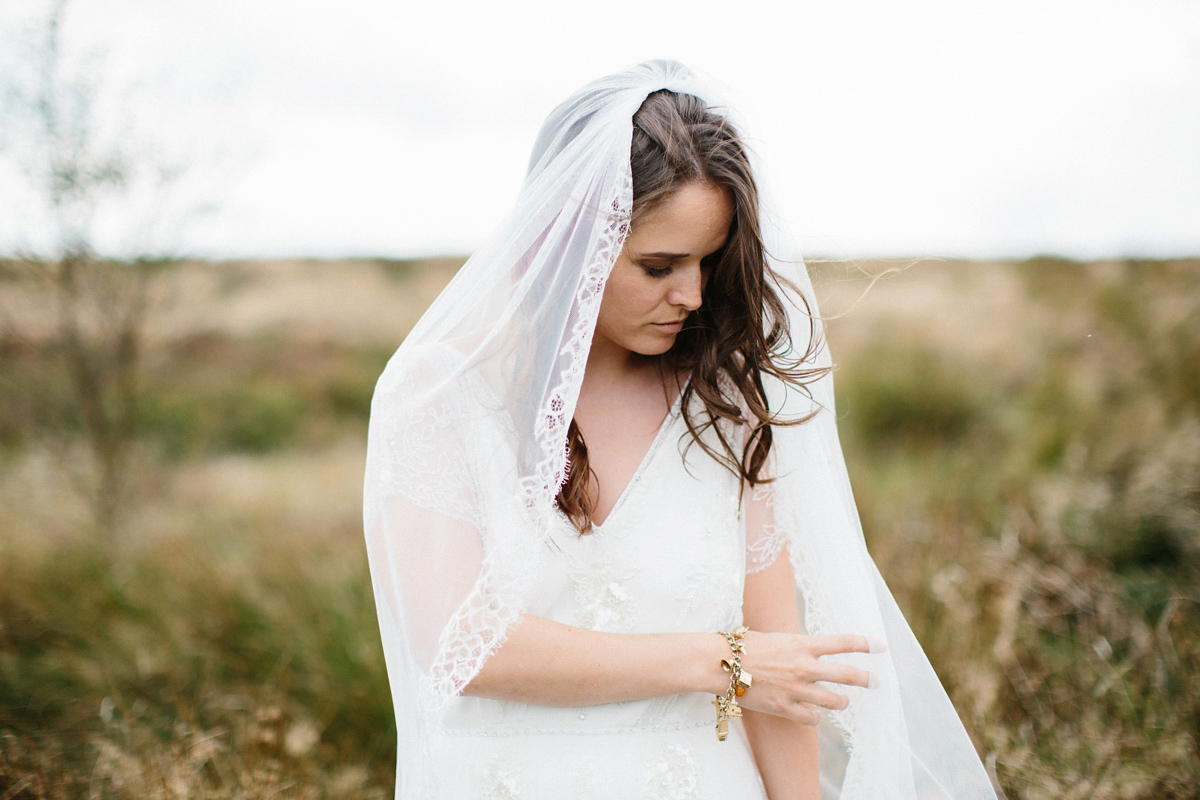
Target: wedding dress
(466,452)
(669,557)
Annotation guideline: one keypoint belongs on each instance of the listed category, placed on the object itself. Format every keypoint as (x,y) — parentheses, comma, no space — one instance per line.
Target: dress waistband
(580,731)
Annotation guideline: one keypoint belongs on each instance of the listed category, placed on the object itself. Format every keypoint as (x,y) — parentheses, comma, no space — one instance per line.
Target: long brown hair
(740,332)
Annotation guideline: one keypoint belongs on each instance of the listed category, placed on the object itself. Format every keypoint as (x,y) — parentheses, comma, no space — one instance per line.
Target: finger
(844,674)
(827,699)
(843,643)
(805,714)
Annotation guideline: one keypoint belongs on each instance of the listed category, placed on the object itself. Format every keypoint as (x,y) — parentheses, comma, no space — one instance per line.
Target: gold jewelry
(739,681)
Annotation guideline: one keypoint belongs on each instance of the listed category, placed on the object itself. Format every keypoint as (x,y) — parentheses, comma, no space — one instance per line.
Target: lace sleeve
(764,540)
(437,591)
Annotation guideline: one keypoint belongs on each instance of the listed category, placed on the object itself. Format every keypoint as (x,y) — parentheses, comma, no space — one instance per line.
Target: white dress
(670,557)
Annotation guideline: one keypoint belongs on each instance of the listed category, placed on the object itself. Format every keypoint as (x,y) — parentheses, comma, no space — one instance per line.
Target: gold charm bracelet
(739,681)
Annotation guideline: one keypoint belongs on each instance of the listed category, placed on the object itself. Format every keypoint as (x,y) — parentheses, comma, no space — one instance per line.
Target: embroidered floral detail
(674,777)
(712,596)
(602,602)
(764,550)
(712,593)
(763,494)
(585,781)
(765,545)
(425,437)
(499,784)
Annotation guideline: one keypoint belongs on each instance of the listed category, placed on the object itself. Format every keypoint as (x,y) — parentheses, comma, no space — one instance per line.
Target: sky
(401,129)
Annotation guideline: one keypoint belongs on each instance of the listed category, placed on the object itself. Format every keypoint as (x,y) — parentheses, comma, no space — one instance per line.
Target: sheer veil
(467,450)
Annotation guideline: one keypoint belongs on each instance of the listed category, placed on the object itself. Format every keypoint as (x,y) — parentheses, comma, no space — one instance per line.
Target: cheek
(625,296)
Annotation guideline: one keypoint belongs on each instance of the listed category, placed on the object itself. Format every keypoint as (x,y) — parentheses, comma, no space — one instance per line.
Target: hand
(785,668)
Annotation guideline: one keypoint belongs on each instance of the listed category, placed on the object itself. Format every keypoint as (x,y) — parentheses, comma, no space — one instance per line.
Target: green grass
(223,635)
(207,395)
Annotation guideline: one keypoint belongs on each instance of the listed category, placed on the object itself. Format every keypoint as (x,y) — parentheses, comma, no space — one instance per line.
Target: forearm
(549,663)
(784,750)
(786,754)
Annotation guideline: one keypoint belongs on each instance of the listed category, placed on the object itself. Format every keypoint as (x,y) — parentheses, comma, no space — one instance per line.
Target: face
(659,277)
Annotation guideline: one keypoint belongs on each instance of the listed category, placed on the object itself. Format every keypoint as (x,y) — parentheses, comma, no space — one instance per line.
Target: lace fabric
(767,539)
(677,529)
(673,777)
(467,449)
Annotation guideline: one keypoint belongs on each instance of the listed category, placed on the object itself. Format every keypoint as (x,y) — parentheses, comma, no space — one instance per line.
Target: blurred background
(218,219)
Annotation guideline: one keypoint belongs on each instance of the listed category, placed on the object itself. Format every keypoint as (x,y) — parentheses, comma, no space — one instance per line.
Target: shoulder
(420,366)
(428,371)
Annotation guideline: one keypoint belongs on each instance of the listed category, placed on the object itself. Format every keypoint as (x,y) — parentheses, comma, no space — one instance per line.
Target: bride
(614,550)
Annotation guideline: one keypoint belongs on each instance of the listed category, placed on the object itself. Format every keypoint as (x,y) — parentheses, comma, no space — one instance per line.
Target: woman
(606,448)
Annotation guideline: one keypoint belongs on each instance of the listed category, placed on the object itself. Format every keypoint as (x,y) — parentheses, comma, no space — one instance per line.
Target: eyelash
(662,272)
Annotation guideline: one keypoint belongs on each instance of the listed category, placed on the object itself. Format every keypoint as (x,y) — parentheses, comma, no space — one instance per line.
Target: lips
(669,327)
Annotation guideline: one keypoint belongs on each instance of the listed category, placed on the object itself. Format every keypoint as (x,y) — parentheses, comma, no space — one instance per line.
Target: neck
(609,363)
(612,372)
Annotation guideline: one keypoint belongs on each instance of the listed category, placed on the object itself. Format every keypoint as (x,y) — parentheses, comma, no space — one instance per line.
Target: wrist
(727,705)
(711,649)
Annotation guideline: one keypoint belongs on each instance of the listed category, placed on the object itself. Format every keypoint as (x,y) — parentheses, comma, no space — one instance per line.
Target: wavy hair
(740,331)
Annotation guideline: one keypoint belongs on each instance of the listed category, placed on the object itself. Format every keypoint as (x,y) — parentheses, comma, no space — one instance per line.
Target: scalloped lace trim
(481,625)
(541,488)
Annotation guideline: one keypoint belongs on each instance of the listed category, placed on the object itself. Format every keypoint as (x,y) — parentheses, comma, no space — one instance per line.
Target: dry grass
(1025,448)
(229,652)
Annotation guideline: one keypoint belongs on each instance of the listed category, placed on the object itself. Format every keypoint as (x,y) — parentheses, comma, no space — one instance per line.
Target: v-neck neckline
(664,426)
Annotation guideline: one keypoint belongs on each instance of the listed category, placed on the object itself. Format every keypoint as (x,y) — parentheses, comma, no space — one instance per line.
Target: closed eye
(658,265)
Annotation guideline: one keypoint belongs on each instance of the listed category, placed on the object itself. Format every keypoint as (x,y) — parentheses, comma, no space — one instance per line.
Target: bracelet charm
(739,681)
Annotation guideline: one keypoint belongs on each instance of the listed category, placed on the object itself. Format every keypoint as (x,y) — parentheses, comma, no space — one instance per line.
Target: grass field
(1024,442)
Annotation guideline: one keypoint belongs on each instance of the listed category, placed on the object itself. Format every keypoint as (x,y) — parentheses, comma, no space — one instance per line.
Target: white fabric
(668,558)
(466,452)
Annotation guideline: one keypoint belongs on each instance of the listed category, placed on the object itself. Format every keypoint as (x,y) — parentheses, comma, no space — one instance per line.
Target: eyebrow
(662,255)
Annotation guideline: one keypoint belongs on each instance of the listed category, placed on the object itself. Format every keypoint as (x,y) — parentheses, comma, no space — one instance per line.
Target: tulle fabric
(466,452)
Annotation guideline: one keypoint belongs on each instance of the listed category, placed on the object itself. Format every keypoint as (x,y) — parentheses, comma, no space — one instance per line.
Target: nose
(688,288)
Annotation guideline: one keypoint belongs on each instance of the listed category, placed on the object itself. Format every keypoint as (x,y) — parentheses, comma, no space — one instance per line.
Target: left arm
(784,749)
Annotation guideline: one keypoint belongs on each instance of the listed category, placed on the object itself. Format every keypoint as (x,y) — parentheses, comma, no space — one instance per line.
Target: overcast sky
(361,128)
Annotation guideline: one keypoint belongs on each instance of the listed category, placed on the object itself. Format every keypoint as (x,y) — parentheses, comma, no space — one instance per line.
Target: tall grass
(1035,506)
(1024,443)
(230,652)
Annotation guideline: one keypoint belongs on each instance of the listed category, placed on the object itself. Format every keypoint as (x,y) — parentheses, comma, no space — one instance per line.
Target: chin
(654,348)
